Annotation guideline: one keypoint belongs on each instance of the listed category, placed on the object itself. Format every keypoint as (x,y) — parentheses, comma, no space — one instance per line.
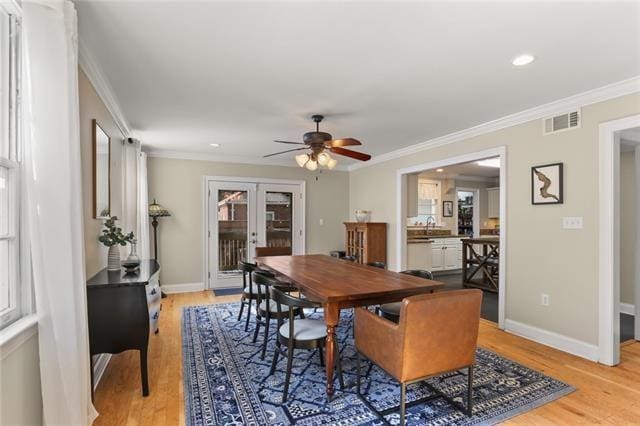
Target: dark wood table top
(328,279)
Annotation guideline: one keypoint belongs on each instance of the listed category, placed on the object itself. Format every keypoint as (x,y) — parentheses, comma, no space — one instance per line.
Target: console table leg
(143,371)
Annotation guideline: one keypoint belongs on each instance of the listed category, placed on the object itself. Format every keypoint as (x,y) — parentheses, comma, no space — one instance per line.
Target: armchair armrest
(379,340)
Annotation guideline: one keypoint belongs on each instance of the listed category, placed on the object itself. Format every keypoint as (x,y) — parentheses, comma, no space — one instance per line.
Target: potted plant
(113,237)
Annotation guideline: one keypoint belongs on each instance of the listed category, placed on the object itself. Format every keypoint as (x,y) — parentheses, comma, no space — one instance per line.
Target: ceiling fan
(320,144)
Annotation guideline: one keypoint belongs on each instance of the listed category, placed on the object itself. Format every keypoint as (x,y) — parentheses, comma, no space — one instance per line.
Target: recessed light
(522,60)
(439,170)
(215,145)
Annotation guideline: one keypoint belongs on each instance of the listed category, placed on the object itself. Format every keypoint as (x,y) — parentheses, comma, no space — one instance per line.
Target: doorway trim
(205,213)
(609,239)
(401,221)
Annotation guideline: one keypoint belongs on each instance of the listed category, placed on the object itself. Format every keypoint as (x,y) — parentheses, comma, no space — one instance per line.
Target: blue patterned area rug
(226,382)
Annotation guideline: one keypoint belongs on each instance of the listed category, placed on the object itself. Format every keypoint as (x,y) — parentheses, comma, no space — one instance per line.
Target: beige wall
(628,217)
(178,186)
(541,258)
(91,106)
(20,401)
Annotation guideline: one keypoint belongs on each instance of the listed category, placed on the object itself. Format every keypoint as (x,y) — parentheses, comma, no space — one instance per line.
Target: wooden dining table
(339,284)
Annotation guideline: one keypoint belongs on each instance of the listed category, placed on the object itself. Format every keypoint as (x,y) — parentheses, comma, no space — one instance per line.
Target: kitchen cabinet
(446,254)
(412,195)
(493,203)
(419,256)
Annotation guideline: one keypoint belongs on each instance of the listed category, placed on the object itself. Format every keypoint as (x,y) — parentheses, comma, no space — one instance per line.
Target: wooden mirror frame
(94,133)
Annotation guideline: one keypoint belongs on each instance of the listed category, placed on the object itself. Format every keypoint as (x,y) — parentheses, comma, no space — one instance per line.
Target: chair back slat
(421,273)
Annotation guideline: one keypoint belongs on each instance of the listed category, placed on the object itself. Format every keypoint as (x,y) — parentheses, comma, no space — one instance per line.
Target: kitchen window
(429,195)
(13,296)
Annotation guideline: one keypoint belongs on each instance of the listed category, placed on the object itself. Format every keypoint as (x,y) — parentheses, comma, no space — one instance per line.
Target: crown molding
(100,83)
(234,159)
(611,91)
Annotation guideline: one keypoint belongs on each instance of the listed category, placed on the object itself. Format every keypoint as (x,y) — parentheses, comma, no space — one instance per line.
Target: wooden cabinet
(123,311)
(493,203)
(366,241)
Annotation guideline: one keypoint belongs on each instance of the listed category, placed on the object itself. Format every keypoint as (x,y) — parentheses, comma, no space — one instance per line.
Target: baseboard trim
(99,368)
(627,308)
(555,340)
(182,288)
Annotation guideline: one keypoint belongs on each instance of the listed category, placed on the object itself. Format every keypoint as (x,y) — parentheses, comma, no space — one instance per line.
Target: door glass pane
(232,230)
(279,211)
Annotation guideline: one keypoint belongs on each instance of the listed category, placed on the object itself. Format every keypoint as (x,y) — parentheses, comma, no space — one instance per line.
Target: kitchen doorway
(244,213)
(439,231)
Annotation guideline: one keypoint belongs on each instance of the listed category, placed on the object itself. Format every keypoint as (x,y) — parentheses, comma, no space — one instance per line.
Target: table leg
(331,317)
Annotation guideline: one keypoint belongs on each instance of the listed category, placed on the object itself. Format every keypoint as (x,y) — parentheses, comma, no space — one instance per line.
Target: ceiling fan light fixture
(311,165)
(323,159)
(302,159)
(331,163)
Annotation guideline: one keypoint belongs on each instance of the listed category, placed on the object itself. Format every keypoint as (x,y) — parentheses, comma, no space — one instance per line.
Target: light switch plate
(572,222)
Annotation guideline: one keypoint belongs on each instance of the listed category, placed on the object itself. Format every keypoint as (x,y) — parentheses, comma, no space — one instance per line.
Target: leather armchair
(437,333)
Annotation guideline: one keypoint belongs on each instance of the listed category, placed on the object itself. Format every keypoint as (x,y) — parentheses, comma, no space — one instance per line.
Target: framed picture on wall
(447,208)
(547,184)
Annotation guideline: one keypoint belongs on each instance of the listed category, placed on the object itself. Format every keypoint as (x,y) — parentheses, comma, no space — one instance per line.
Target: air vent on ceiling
(562,122)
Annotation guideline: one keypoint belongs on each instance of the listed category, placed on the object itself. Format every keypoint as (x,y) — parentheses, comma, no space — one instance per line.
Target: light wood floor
(609,395)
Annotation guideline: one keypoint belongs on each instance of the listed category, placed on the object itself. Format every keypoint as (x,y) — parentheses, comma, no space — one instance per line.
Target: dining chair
(273,251)
(249,291)
(380,265)
(266,308)
(391,311)
(298,334)
(437,334)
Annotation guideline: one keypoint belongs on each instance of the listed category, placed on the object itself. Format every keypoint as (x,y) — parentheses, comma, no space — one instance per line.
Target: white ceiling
(187,74)
(464,170)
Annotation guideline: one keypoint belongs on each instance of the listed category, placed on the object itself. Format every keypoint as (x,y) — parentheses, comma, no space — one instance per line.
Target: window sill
(14,335)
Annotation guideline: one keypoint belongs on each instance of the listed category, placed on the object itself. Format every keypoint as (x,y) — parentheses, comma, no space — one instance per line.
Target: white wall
(20,401)
(541,257)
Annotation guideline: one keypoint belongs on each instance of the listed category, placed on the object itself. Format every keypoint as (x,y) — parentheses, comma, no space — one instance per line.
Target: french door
(243,215)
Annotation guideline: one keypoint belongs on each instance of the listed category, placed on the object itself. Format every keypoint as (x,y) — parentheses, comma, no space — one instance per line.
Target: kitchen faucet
(430,219)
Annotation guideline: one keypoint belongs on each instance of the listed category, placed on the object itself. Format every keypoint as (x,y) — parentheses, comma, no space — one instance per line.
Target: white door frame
(401,220)
(609,240)
(206,225)
(476,208)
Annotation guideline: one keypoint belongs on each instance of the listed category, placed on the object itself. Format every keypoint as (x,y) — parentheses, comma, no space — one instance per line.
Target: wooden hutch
(367,241)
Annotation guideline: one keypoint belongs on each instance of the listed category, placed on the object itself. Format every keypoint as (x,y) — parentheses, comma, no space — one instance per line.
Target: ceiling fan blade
(343,142)
(353,154)
(291,143)
(284,152)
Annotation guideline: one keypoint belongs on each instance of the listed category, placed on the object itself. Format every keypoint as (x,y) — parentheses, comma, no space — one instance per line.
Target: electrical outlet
(572,222)
(545,299)
(321,222)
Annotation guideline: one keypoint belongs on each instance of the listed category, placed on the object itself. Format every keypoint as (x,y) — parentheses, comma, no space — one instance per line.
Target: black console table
(123,311)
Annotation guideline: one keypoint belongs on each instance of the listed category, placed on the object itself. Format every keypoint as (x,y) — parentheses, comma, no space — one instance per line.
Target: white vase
(113,259)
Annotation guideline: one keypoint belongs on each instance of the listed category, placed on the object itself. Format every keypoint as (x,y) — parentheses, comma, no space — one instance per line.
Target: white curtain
(143,208)
(54,208)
